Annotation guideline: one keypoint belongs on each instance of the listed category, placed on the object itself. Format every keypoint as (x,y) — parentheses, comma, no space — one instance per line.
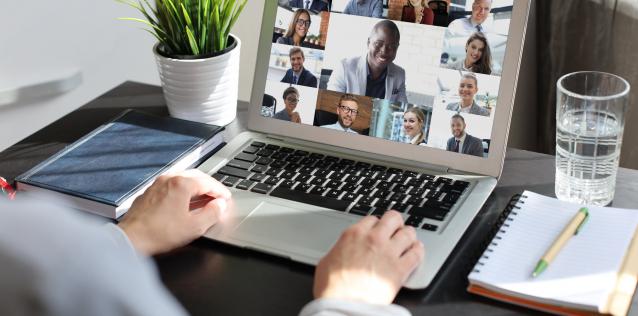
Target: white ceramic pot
(203,90)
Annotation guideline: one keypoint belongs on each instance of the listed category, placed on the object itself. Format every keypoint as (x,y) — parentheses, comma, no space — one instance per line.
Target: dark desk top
(211,278)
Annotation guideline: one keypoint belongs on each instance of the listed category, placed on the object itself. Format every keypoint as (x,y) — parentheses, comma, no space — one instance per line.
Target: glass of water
(589,126)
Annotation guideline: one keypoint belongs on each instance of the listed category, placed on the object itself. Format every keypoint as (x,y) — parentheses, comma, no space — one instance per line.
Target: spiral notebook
(595,273)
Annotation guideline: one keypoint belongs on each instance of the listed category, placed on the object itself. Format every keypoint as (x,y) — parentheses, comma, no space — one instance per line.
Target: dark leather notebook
(103,171)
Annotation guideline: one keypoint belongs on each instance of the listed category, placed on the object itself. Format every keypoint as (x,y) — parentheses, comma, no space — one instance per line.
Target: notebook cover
(113,161)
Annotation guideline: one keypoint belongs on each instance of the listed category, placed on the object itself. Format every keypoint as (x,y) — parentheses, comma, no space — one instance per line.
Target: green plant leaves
(189,27)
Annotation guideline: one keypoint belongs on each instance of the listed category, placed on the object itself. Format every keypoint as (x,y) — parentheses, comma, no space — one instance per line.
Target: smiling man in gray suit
(463,142)
(375,74)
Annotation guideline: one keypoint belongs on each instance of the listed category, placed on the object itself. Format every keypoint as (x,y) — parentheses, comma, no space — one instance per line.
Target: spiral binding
(501,225)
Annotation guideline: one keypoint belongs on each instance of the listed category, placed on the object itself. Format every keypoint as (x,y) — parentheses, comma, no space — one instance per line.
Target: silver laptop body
(305,232)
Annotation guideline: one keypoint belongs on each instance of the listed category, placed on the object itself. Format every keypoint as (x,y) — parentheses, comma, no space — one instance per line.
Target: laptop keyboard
(341,184)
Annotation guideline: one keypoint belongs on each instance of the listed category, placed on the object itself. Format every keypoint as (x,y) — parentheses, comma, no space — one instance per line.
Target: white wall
(40,38)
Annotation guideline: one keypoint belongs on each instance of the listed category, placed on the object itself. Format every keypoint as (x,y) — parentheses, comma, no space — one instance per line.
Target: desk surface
(211,278)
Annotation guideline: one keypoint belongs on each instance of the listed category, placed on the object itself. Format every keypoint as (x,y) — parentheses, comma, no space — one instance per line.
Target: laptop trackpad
(289,230)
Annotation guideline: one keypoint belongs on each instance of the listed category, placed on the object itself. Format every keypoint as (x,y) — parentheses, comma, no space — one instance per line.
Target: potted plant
(197,57)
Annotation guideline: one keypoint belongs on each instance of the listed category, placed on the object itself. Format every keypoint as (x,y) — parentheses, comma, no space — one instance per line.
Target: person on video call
(369,8)
(52,271)
(297,74)
(468,87)
(463,142)
(310,5)
(297,29)
(374,74)
(416,11)
(291,98)
(479,21)
(414,125)
(478,56)
(347,110)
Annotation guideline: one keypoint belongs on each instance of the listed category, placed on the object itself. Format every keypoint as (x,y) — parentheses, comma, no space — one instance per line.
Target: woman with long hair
(468,88)
(413,125)
(297,30)
(478,56)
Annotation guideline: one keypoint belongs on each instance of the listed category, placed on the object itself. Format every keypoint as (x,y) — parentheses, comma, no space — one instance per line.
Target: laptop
(353,115)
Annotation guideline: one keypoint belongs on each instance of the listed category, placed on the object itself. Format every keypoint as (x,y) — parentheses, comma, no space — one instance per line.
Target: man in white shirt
(479,21)
(347,110)
(462,142)
(56,262)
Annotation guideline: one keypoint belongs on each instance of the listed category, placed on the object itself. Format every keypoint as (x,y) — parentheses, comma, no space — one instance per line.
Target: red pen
(7,188)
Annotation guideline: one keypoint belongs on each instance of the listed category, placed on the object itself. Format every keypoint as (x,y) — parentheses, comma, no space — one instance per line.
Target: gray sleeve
(377,9)
(349,9)
(337,81)
(334,307)
(68,264)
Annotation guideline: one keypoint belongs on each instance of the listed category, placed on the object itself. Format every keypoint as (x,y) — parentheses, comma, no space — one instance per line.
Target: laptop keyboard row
(341,184)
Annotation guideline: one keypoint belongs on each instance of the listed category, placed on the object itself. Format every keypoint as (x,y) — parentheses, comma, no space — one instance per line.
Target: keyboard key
(294,159)
(230,181)
(303,187)
(258,177)
(318,190)
(426,177)
(279,156)
(400,188)
(286,150)
(332,184)
(272,180)
(378,168)
(381,194)
(349,196)
(317,181)
(367,200)
(410,174)
(399,179)
(261,188)
(316,156)
(386,186)
(251,149)
(349,187)
(361,210)
(306,170)
(451,197)
(311,199)
(430,227)
(246,157)
(322,173)
(335,194)
(300,153)
(218,177)
(428,213)
(272,147)
(395,170)
(288,174)
(383,204)
(258,144)
(331,158)
(287,184)
(239,164)
(414,221)
(363,165)
(265,152)
(414,200)
(322,164)
(443,206)
(273,172)
(263,161)
(244,184)
(346,162)
(292,167)
(278,164)
(417,192)
(303,178)
(307,161)
(364,190)
(259,169)
(384,176)
(230,171)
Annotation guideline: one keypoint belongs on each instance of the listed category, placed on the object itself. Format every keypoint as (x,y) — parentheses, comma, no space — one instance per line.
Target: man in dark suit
(463,142)
(297,74)
(313,5)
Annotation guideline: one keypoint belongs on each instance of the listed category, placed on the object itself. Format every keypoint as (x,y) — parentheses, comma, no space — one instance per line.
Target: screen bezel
(490,166)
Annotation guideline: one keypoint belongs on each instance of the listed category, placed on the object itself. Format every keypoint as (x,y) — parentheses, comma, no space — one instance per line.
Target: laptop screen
(422,73)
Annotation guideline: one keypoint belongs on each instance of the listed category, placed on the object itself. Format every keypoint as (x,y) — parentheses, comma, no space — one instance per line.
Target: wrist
(138,238)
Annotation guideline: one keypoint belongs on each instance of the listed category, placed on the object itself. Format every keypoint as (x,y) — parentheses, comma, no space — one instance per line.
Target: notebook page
(582,275)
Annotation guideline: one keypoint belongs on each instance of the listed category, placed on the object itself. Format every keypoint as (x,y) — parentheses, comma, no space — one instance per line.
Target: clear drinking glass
(590,118)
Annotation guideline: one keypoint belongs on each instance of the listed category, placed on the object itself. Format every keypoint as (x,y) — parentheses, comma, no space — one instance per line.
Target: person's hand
(295,117)
(370,261)
(161,220)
